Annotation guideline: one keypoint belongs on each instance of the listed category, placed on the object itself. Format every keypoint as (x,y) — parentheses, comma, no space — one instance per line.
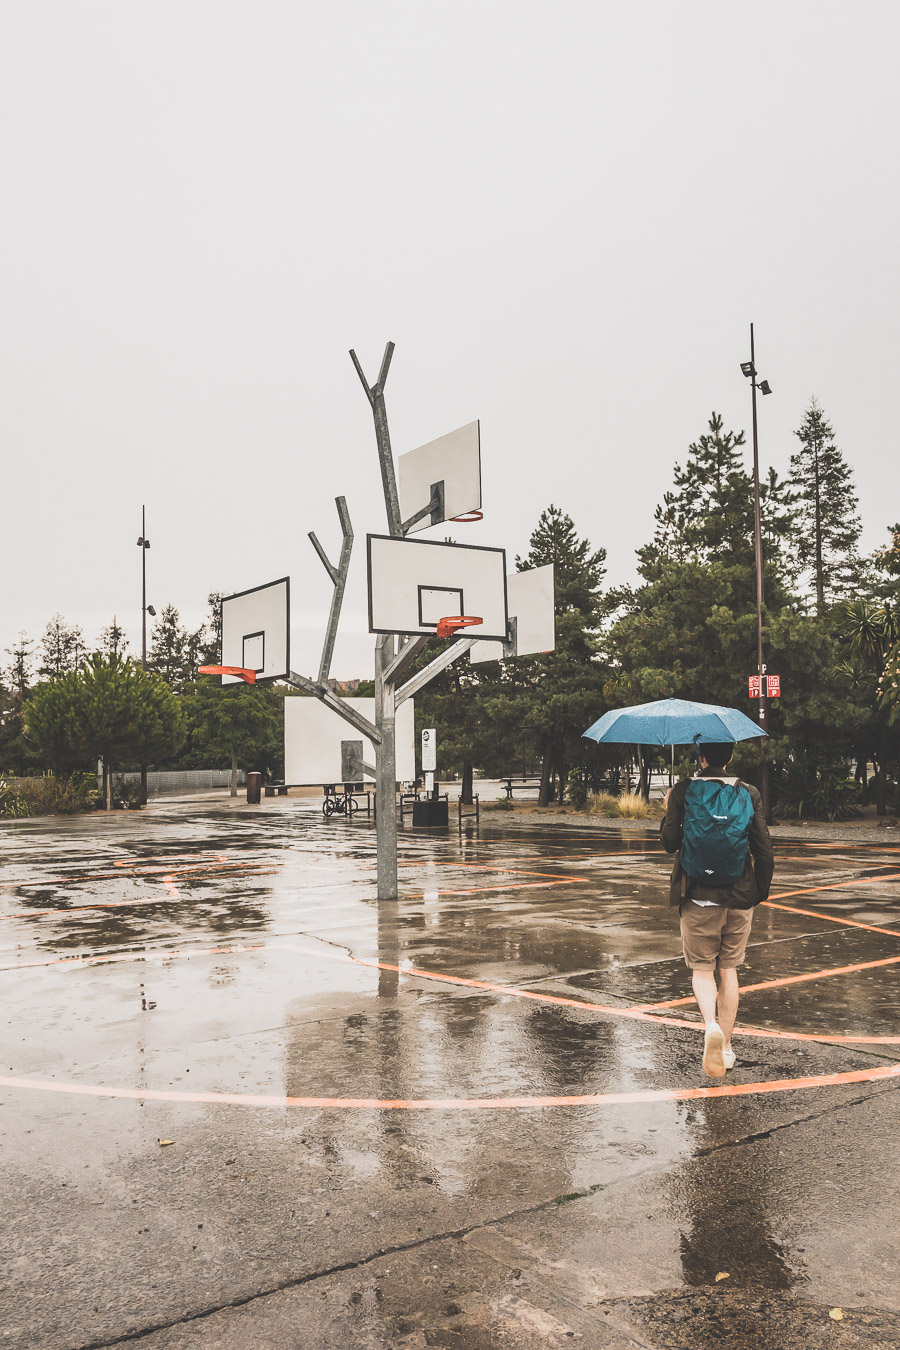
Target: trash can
(254,788)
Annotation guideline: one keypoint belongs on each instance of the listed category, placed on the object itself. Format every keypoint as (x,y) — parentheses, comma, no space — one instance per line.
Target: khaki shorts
(714,936)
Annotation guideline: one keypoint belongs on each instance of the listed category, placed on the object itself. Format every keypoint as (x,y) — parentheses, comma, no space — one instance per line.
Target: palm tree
(871,633)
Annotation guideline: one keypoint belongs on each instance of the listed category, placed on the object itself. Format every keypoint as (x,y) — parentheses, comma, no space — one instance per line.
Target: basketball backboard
(414,583)
(531,614)
(314,735)
(256,631)
(454,462)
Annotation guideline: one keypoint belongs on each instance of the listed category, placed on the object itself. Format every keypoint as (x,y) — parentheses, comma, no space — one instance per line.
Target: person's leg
(705,992)
(727,1002)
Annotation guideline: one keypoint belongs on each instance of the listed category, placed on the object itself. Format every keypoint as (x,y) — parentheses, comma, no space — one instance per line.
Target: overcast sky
(565,215)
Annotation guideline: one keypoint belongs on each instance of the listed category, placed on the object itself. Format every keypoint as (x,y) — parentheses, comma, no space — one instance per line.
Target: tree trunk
(880,784)
(108,784)
(546,767)
(465,793)
(643,776)
(233,774)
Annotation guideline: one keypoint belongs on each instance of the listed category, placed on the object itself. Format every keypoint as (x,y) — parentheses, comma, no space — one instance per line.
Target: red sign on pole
(773,686)
(753,686)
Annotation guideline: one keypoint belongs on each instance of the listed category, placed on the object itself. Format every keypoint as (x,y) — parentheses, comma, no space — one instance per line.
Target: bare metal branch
(359,370)
(329,568)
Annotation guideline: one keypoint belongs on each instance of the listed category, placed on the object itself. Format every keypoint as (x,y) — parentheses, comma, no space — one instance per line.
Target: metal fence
(177,782)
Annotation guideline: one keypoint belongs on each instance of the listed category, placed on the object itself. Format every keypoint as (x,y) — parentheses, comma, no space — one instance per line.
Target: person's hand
(666,799)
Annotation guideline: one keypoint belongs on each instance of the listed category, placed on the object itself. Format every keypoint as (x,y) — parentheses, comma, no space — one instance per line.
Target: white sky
(564,215)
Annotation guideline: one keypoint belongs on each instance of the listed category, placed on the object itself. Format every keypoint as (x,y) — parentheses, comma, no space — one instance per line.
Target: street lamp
(143,544)
(748,369)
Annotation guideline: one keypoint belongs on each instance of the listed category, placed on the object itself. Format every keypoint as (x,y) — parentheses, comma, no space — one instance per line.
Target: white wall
(313,735)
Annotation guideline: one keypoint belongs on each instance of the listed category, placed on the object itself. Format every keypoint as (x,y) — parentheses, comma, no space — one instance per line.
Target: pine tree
(561,693)
(19,673)
(173,650)
(113,641)
(240,722)
(62,647)
(828,525)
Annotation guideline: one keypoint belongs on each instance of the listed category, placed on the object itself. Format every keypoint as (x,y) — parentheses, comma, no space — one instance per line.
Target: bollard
(254,788)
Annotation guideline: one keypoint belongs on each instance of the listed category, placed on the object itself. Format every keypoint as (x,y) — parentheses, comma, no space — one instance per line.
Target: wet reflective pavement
(473,1118)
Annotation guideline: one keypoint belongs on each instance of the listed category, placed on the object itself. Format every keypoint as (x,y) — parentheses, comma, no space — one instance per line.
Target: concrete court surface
(243,1105)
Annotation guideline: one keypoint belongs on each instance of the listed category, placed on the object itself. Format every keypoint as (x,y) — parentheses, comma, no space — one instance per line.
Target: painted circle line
(462,1103)
(270,1100)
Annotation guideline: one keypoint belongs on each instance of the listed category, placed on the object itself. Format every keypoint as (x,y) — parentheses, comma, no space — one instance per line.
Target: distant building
(343,686)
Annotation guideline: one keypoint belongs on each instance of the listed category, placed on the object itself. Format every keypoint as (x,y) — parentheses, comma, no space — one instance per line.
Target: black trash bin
(254,788)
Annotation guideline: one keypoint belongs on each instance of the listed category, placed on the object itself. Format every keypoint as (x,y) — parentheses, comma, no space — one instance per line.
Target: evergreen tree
(710,516)
(173,652)
(62,647)
(109,709)
(690,630)
(558,695)
(113,641)
(239,722)
(19,672)
(828,525)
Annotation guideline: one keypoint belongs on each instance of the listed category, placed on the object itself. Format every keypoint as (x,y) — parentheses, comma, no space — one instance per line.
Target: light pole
(143,544)
(749,370)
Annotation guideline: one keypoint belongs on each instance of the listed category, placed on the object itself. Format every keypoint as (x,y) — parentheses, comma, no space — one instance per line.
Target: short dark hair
(716,753)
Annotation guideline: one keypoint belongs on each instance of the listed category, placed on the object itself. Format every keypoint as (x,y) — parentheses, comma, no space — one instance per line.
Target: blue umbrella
(672,721)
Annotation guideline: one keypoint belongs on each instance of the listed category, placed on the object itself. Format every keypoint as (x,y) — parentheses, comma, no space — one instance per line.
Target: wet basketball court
(242,1103)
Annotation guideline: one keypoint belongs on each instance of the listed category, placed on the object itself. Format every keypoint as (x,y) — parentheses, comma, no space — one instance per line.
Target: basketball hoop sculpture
(412,584)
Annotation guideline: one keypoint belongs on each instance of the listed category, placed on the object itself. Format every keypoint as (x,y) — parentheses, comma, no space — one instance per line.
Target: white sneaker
(729,1058)
(714,1051)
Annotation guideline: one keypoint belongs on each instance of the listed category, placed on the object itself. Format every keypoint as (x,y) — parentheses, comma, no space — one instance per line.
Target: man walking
(715,824)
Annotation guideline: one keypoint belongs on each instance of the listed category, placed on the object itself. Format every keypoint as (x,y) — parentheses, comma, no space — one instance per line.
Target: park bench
(523,782)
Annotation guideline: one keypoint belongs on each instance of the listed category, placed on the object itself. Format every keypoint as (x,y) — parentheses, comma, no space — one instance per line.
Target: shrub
(504,804)
(13,803)
(129,796)
(576,789)
(819,790)
(633,807)
(52,796)
(604,804)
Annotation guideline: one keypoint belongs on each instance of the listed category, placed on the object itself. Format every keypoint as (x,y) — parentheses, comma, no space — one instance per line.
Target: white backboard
(256,631)
(413,583)
(455,461)
(531,603)
(313,735)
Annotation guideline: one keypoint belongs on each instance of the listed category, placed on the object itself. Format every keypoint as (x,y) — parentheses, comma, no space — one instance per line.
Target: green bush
(13,803)
(52,796)
(577,789)
(129,796)
(819,790)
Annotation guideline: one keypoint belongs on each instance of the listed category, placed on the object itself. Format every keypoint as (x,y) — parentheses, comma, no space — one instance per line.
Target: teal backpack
(717,818)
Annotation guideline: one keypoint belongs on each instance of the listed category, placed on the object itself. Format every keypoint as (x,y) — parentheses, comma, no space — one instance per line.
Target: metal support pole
(757,520)
(386,779)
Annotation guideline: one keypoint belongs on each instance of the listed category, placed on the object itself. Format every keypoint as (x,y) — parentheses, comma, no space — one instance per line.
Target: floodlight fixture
(748,369)
(764,387)
(143,543)
(151,611)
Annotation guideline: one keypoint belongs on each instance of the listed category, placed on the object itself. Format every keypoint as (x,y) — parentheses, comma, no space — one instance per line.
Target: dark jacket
(753,885)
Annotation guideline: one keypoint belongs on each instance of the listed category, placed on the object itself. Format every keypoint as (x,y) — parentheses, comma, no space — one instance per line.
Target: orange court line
(259,1099)
(773,984)
(832,918)
(633,1014)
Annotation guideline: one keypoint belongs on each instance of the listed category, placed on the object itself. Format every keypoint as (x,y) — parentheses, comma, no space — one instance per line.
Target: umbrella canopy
(672,721)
